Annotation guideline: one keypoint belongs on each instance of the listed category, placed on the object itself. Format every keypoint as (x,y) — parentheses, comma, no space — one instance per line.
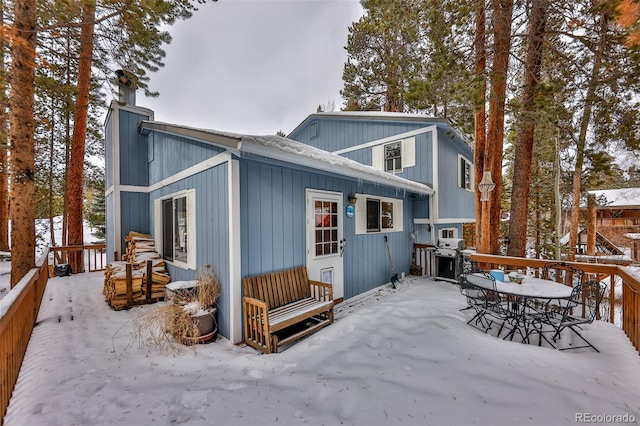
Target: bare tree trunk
(480,123)
(52,234)
(524,147)
(502,13)
(582,138)
(76,167)
(558,199)
(21,134)
(538,217)
(4,143)
(591,225)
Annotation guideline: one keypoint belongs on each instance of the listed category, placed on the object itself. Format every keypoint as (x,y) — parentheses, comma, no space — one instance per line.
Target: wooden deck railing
(612,274)
(76,256)
(18,314)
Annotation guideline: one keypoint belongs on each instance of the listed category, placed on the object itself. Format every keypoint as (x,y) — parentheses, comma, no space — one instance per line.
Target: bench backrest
(278,288)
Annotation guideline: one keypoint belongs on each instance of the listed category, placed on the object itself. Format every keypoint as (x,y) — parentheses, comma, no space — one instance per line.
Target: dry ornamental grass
(171,326)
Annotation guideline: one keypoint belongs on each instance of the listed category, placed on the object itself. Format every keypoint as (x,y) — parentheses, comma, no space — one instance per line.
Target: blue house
(248,205)
(419,148)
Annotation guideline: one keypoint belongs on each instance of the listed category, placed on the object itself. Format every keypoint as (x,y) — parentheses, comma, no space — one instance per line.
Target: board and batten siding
(453,201)
(212,229)
(170,154)
(132,150)
(110,226)
(333,134)
(273,218)
(423,151)
(108,152)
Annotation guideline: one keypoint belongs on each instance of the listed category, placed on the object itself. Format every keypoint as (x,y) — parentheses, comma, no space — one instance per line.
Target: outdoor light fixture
(486,185)
(352,199)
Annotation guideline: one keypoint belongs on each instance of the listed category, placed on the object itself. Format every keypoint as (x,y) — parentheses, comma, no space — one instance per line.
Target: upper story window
(465,173)
(393,157)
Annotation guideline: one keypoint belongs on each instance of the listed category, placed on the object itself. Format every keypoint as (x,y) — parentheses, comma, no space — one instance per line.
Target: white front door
(325,242)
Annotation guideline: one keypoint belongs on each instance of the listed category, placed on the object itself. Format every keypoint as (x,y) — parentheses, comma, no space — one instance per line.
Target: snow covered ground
(43,240)
(393,357)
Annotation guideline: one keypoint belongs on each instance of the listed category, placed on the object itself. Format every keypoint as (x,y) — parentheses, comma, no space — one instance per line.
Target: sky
(253,66)
(400,356)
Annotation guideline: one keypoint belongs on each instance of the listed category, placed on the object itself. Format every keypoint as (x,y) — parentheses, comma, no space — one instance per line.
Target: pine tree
(23,62)
(384,54)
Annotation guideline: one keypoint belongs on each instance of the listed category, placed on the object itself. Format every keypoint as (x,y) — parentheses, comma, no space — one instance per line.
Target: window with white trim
(378,214)
(394,157)
(175,228)
(465,173)
(448,233)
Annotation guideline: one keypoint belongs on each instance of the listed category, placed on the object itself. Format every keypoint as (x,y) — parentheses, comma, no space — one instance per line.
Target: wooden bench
(284,306)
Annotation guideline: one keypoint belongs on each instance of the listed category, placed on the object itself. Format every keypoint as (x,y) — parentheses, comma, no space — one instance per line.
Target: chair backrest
(592,295)
(278,288)
(564,273)
(483,280)
(476,295)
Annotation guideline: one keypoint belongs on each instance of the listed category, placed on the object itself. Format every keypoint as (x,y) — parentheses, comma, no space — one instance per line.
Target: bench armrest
(321,291)
(256,322)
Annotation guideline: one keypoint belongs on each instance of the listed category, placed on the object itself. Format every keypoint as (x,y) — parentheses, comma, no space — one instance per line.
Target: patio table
(526,301)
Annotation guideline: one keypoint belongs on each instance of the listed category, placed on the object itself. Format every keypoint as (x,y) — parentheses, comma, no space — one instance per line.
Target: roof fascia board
(117,106)
(371,116)
(228,141)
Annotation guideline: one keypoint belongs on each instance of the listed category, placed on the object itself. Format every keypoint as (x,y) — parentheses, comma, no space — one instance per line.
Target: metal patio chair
(563,272)
(579,311)
(480,290)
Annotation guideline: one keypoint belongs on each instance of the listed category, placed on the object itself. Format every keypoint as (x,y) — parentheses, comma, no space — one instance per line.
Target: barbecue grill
(448,257)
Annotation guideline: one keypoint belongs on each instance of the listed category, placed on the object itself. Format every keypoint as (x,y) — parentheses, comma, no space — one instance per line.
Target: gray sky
(253,66)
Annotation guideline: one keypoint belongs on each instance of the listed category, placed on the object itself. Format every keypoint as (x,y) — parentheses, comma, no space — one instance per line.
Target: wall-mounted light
(352,199)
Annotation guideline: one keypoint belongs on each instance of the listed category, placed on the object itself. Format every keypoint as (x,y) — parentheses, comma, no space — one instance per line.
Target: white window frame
(361,214)
(191,233)
(448,233)
(386,148)
(462,183)
(407,156)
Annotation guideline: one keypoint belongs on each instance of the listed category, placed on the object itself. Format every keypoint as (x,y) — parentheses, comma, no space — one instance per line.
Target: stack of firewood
(140,250)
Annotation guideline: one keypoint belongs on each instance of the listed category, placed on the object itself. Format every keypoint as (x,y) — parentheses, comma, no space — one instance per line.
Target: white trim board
(432,128)
(454,220)
(207,164)
(235,267)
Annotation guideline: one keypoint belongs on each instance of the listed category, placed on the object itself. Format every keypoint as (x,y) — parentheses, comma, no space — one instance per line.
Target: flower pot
(202,328)
(205,321)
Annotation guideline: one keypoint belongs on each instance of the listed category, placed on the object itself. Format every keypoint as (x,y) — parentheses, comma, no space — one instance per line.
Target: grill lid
(451,244)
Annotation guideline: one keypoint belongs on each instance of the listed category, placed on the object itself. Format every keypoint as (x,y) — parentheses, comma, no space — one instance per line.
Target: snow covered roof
(380,116)
(623,197)
(288,150)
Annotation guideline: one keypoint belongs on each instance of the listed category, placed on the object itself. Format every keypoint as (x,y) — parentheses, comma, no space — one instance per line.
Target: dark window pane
(373,215)
(167,229)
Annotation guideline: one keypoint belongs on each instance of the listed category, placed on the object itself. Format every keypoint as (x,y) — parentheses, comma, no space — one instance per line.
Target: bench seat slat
(292,313)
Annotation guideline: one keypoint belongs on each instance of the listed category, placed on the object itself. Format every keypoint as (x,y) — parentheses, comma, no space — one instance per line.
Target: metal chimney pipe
(127,85)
